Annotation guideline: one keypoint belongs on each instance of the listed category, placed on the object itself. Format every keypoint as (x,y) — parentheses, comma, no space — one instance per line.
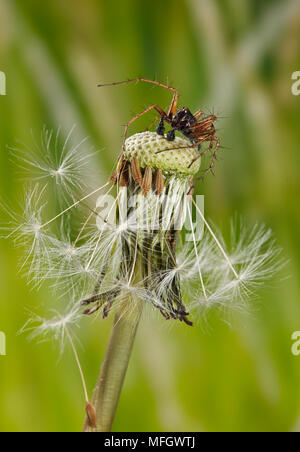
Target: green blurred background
(233,57)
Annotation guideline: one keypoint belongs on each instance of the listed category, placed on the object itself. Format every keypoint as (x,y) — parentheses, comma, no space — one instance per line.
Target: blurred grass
(234,57)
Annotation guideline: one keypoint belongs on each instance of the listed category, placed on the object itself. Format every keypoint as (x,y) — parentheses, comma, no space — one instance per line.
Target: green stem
(114,367)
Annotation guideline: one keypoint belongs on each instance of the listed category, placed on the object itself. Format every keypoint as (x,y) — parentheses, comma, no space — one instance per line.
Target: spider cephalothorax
(197,127)
(181,121)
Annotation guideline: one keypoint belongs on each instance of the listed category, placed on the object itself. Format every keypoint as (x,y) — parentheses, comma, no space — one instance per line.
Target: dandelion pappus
(198,127)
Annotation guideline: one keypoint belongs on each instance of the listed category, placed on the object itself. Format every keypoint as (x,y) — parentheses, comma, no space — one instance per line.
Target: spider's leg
(214,156)
(174,102)
(152,123)
(198,114)
(140,79)
(173,105)
(201,154)
(160,129)
(191,145)
(152,107)
(194,160)
(171,135)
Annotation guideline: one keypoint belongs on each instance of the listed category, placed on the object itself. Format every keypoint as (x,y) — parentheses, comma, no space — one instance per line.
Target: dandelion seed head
(96,266)
(155,151)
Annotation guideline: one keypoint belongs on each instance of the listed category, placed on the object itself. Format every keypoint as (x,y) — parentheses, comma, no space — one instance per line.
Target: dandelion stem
(113,370)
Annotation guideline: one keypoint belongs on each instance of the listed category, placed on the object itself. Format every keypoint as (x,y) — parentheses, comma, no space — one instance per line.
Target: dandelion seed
(63,165)
(58,327)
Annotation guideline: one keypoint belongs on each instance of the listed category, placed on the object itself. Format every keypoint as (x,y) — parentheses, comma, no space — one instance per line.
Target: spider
(197,127)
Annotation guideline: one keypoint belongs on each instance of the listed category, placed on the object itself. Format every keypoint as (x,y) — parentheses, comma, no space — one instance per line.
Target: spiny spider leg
(174,102)
(190,145)
(214,157)
(152,107)
(152,123)
(201,154)
(198,114)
